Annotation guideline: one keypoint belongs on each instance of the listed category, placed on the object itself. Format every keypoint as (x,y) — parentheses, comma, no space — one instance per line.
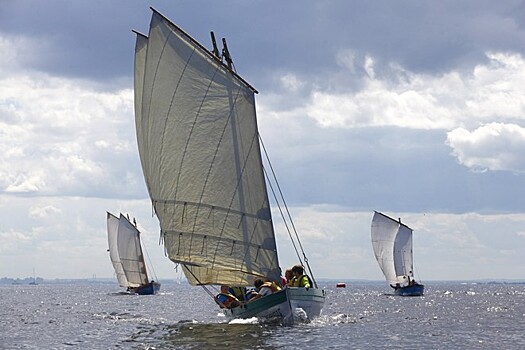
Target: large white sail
(392,244)
(201,158)
(403,252)
(112,223)
(141,46)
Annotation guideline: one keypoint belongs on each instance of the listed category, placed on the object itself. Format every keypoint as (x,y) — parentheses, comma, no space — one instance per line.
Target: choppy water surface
(362,316)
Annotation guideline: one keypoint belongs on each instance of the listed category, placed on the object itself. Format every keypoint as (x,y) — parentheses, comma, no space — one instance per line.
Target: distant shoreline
(108,280)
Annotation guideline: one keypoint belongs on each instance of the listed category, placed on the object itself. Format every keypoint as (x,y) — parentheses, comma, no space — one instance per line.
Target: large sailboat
(392,243)
(125,252)
(201,157)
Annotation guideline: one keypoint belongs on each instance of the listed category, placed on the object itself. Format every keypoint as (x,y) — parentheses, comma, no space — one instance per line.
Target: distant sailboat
(125,252)
(200,153)
(33,282)
(392,243)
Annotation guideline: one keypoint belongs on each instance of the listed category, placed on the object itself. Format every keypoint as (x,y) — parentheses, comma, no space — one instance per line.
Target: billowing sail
(126,252)
(141,46)
(113,223)
(130,253)
(200,152)
(403,252)
(392,243)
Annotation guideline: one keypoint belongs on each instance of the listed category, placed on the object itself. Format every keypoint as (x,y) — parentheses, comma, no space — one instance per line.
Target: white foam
(252,320)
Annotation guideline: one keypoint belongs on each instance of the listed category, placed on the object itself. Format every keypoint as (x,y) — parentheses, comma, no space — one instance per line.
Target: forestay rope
(287,213)
(152,268)
(203,286)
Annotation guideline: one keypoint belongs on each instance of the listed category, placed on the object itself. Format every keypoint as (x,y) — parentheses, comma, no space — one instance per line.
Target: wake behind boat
(201,157)
(392,243)
(125,252)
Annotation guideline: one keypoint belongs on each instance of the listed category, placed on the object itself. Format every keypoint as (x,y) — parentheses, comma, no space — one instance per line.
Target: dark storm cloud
(94,40)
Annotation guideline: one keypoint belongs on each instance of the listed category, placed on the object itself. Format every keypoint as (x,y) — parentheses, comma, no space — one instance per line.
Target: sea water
(451,315)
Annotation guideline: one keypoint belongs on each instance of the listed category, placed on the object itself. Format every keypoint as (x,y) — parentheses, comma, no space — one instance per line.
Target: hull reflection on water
(191,335)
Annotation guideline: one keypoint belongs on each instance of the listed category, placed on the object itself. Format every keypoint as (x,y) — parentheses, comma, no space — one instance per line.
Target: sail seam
(216,149)
(222,239)
(167,117)
(255,138)
(240,182)
(212,207)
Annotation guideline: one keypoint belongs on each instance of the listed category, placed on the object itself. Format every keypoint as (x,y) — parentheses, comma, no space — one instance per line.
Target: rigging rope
(202,285)
(149,261)
(287,212)
(282,214)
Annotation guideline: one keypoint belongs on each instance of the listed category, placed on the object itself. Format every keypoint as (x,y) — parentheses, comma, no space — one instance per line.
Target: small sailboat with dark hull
(392,243)
(201,157)
(125,252)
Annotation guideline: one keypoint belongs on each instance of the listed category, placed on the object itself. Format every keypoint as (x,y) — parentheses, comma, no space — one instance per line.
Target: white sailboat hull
(290,305)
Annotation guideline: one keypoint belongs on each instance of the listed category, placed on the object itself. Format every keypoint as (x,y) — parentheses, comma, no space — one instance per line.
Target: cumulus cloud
(18,51)
(489,92)
(481,108)
(64,140)
(494,146)
(44,212)
(55,133)
(291,83)
(63,135)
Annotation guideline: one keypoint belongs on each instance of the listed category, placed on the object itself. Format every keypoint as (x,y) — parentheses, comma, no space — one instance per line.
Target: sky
(415,109)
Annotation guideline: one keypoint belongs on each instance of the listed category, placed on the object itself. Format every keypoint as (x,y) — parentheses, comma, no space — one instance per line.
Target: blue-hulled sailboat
(392,243)
(125,252)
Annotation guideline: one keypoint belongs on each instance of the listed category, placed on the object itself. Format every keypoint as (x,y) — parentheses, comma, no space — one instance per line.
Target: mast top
(190,38)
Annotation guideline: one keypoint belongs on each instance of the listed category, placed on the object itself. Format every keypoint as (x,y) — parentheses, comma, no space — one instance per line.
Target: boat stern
(415,290)
(310,300)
